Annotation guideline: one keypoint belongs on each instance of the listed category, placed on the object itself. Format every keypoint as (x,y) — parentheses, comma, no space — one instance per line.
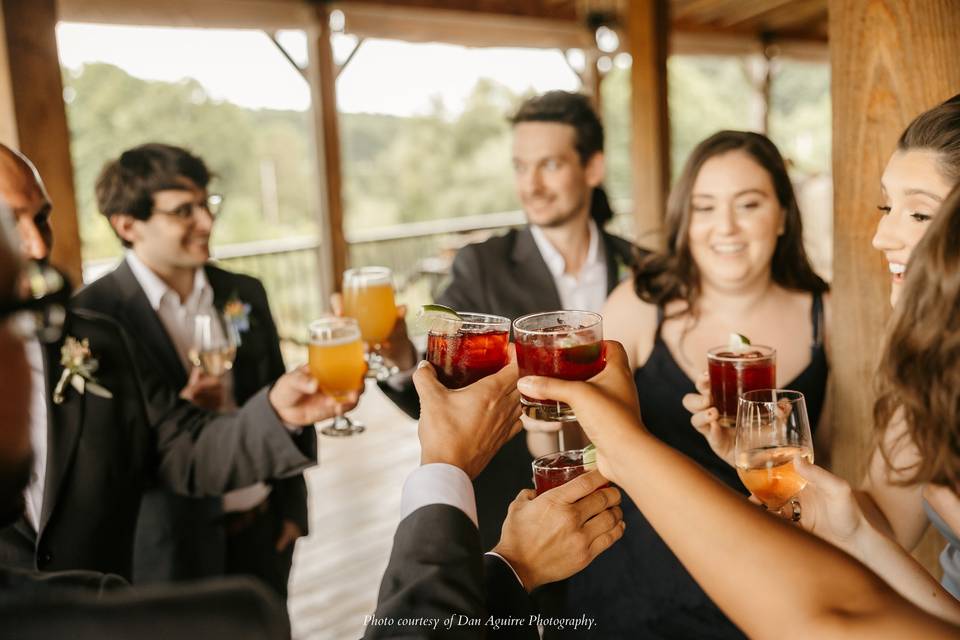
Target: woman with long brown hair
(734,263)
(914,471)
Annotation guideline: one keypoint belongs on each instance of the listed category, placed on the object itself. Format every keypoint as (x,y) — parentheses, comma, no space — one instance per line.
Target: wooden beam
(41,119)
(650,145)
(466,28)
(890,61)
(268,15)
(323,77)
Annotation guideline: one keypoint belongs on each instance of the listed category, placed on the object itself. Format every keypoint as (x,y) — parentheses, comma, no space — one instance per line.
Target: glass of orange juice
(368,297)
(336,361)
(773,430)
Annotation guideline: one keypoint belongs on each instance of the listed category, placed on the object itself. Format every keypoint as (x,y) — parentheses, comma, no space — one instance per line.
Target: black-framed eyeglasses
(42,312)
(213,205)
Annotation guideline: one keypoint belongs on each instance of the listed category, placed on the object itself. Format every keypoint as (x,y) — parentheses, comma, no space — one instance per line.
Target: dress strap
(816,318)
(660,314)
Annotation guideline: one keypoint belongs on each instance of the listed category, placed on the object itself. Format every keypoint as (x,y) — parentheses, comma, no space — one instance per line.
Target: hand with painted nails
(705,420)
(297,400)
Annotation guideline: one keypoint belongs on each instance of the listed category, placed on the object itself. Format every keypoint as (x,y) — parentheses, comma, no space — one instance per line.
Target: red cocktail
(477,349)
(734,371)
(554,469)
(558,344)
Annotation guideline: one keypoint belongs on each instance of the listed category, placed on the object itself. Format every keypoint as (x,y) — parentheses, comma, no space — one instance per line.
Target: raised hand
(204,390)
(466,427)
(555,535)
(705,420)
(298,401)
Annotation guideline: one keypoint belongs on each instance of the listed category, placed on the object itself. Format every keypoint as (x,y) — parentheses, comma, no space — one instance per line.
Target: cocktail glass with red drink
(558,344)
(468,348)
(735,370)
(554,469)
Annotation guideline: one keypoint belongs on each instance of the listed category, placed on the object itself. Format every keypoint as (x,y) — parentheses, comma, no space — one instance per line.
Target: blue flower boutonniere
(237,313)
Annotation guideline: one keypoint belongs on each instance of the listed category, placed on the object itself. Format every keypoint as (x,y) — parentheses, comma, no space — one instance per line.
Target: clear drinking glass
(368,297)
(772,430)
(215,342)
(475,349)
(336,361)
(558,344)
(736,370)
(555,469)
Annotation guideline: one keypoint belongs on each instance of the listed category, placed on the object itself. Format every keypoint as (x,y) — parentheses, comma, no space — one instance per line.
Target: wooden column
(33,92)
(890,60)
(647,29)
(323,87)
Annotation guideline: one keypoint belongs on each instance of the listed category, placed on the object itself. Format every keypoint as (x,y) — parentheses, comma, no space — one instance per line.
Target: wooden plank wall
(890,60)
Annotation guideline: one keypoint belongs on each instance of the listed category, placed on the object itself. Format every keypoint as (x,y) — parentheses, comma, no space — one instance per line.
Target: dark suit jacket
(179,538)
(102,452)
(506,276)
(437,571)
(90,606)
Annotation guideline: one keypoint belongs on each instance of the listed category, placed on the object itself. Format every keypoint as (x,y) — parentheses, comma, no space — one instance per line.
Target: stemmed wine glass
(772,431)
(215,342)
(368,297)
(336,362)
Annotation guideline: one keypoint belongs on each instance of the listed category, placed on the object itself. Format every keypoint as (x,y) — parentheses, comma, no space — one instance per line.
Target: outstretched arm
(768,576)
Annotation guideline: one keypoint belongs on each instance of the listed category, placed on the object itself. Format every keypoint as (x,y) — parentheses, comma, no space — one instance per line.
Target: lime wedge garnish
(436,318)
(738,341)
(590,455)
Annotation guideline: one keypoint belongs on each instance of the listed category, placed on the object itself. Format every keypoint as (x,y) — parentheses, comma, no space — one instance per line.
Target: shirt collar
(555,262)
(156,289)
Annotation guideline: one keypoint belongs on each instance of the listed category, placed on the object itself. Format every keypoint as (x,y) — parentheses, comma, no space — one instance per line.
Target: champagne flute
(336,361)
(772,430)
(368,297)
(215,342)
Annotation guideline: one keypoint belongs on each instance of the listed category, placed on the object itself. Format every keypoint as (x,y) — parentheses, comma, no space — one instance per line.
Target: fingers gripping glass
(213,205)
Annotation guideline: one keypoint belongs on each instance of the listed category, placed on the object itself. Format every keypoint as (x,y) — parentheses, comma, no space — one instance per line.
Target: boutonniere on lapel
(79,365)
(237,313)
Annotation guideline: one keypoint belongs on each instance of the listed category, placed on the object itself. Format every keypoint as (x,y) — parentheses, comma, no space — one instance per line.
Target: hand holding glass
(336,362)
(772,430)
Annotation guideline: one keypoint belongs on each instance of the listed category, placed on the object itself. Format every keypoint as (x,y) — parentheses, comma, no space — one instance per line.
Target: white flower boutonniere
(79,365)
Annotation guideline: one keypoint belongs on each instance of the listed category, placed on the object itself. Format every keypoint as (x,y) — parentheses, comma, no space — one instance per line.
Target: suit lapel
(531,273)
(64,424)
(144,324)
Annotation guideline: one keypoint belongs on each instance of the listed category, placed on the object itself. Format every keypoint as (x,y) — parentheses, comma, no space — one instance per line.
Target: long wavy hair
(918,378)
(674,275)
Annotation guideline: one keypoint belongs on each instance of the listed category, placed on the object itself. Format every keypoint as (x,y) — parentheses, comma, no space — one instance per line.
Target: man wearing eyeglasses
(105,423)
(155,197)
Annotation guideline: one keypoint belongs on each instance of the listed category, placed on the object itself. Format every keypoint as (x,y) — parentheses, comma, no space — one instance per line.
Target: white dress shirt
(33,495)
(582,291)
(440,483)
(178,318)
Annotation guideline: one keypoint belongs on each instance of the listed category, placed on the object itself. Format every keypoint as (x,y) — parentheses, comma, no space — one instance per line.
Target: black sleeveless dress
(638,588)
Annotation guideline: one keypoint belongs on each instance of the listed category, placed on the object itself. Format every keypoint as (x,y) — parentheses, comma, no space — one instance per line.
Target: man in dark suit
(438,582)
(100,434)
(563,259)
(82,604)
(155,196)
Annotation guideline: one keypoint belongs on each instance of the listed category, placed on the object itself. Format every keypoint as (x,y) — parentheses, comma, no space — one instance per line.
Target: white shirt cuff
(514,571)
(438,483)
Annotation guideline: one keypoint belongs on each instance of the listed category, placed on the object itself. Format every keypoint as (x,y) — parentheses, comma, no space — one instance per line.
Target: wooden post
(647,28)
(33,92)
(890,60)
(322,76)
